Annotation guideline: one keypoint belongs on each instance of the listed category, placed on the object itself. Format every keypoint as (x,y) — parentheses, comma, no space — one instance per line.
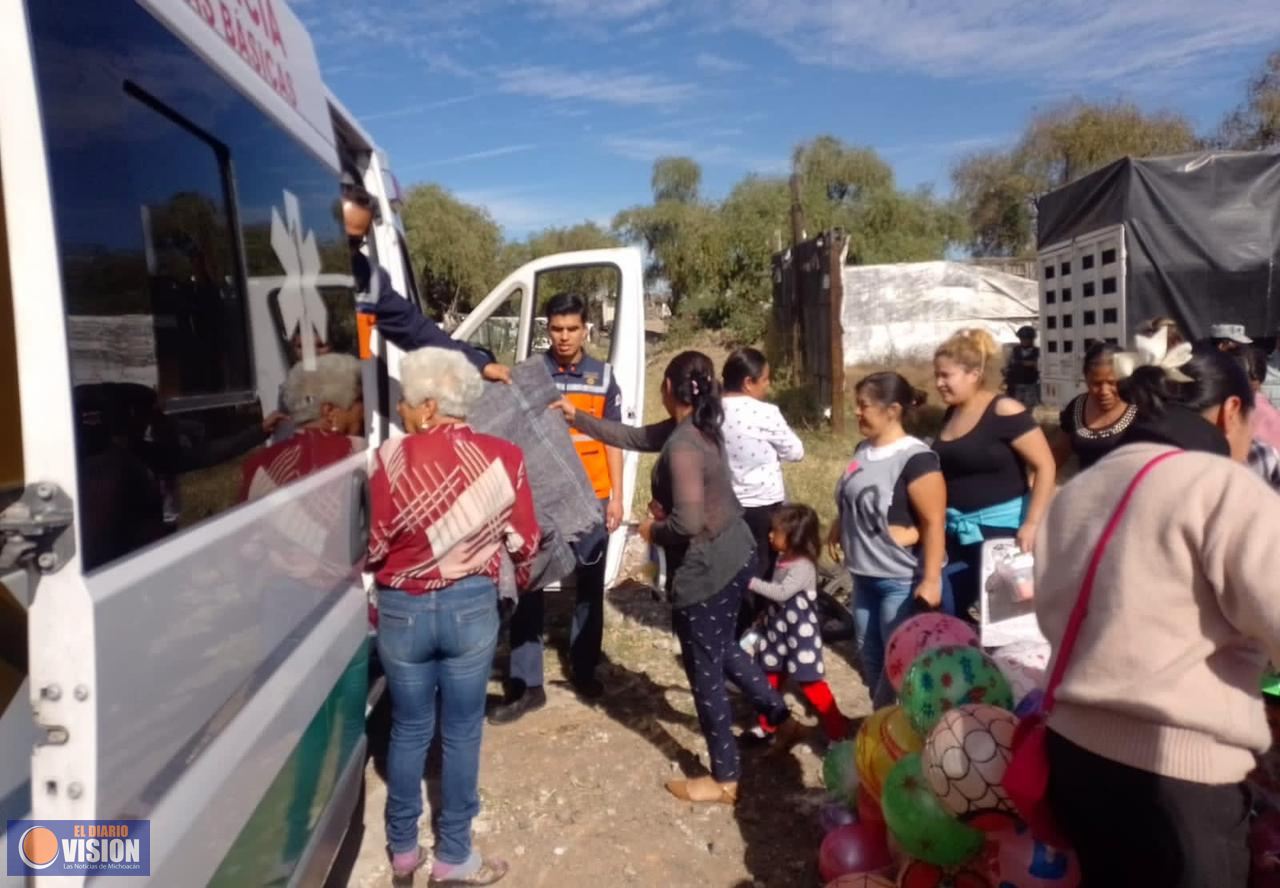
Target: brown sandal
(491,870)
(680,789)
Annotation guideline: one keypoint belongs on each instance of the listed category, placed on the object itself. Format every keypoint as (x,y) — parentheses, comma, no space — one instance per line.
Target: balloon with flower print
(942,679)
(921,633)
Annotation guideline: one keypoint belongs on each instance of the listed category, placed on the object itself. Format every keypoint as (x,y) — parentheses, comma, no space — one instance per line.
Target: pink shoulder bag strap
(1026,781)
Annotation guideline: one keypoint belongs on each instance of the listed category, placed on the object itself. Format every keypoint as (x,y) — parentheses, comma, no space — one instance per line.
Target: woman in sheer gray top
(696,519)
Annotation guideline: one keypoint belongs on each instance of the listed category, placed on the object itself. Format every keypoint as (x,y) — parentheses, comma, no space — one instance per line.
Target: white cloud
(502,151)
(522,211)
(613,87)
(417,108)
(709,61)
(613,10)
(646,149)
(1081,42)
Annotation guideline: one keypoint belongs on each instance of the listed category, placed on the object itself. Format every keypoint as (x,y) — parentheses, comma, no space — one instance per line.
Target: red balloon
(1019,861)
(863,880)
(918,874)
(856,848)
(869,809)
(1264,851)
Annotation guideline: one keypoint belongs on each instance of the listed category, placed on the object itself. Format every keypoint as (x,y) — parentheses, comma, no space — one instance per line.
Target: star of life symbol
(301,307)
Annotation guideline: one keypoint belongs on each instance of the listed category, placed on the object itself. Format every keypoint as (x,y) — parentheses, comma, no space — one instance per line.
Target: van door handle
(361,517)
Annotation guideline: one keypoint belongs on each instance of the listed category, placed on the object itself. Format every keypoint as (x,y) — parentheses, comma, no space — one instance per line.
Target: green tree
(994,189)
(455,246)
(852,187)
(1256,123)
(676,178)
(594,284)
(682,233)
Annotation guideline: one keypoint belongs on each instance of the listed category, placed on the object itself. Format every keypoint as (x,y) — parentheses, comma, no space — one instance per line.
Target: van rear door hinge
(35,529)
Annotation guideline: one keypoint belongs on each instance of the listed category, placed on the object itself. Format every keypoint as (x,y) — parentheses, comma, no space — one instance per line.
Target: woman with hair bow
(1155,584)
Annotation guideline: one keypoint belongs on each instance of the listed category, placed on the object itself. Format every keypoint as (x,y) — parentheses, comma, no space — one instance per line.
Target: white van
(175,651)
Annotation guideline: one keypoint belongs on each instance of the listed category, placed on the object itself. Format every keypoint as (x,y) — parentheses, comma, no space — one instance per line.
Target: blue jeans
(438,643)
(880,605)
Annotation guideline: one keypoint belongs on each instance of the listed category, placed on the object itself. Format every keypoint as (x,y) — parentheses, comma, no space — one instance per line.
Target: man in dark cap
(1022,374)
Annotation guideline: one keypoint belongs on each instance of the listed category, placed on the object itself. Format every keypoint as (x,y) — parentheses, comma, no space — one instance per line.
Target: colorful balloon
(942,679)
(1030,704)
(919,874)
(965,758)
(885,736)
(922,827)
(840,772)
(834,815)
(857,848)
(869,808)
(1022,862)
(919,634)
(863,880)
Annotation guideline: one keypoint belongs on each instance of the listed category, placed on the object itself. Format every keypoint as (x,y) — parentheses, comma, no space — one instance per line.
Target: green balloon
(947,677)
(919,823)
(840,772)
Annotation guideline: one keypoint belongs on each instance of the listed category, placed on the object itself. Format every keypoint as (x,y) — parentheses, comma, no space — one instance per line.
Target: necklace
(1116,428)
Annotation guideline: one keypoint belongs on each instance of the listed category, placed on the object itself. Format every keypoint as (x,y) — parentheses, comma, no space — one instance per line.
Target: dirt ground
(572,794)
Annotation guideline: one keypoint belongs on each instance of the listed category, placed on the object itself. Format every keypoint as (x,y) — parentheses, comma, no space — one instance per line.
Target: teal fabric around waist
(966,527)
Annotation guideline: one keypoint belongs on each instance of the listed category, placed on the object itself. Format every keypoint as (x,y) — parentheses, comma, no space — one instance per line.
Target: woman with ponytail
(1158,706)
(892,502)
(988,446)
(710,551)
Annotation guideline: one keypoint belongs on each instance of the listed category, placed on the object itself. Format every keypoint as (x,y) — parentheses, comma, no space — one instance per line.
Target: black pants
(1134,828)
(710,652)
(586,635)
(965,581)
(760,520)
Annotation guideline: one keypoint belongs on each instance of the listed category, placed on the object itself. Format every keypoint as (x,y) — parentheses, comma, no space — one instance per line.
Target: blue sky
(549,112)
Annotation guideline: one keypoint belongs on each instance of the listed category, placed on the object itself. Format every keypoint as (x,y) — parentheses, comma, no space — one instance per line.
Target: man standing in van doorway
(589,384)
(399,320)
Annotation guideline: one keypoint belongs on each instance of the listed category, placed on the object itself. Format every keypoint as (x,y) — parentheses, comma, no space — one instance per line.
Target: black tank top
(981,468)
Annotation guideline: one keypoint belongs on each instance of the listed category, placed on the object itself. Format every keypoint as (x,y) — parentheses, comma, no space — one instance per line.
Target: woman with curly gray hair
(326,404)
(446,501)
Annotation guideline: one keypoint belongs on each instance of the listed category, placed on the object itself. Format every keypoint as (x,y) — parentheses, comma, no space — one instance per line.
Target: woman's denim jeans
(440,643)
(880,604)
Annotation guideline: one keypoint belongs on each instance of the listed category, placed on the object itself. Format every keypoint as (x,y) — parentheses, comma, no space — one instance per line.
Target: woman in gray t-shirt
(892,502)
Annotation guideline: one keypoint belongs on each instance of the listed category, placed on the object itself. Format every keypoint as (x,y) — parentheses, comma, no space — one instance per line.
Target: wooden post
(837,243)
(798,234)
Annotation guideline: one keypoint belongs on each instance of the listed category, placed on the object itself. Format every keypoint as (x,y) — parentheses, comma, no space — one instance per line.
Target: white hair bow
(1154,351)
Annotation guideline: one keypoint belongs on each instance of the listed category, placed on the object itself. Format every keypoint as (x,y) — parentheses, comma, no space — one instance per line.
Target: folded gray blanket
(567,508)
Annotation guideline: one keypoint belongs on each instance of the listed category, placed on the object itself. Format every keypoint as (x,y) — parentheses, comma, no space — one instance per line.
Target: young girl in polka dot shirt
(791,639)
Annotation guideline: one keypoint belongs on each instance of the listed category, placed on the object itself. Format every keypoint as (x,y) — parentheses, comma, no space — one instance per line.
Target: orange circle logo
(39,847)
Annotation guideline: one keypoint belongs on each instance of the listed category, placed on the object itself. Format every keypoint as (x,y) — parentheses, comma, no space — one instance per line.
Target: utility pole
(798,233)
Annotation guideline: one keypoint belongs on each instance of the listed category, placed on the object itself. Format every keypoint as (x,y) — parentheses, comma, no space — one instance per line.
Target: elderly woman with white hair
(446,501)
(326,404)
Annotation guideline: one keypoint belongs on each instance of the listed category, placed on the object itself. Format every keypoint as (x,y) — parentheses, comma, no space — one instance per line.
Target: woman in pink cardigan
(1158,718)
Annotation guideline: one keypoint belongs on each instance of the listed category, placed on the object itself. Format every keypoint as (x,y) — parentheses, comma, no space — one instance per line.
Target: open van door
(612,281)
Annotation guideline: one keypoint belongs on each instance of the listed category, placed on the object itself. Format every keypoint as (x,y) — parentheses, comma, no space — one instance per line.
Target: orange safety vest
(589,393)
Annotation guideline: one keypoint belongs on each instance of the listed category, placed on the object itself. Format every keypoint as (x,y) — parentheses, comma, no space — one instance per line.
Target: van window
(190,227)
(499,333)
(599,285)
